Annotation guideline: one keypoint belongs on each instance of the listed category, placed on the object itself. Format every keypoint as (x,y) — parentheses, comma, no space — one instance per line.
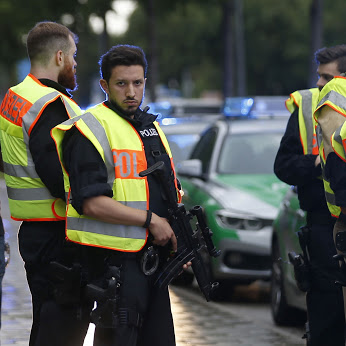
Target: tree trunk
(153,69)
(228,74)
(104,37)
(240,48)
(316,27)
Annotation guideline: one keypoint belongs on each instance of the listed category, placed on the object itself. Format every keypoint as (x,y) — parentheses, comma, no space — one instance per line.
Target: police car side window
(204,148)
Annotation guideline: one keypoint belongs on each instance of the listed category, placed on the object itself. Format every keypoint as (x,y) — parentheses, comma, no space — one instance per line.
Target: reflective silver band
(34,110)
(330,198)
(100,133)
(34,194)
(334,97)
(307,114)
(20,171)
(104,228)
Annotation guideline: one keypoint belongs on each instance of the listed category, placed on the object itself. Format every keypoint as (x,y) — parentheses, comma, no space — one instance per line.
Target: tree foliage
(277,42)
(185,39)
(277,45)
(187,43)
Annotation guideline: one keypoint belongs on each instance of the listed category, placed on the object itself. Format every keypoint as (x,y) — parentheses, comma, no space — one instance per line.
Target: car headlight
(236,220)
(253,224)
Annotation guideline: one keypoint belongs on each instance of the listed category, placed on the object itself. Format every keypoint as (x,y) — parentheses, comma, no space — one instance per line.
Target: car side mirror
(190,168)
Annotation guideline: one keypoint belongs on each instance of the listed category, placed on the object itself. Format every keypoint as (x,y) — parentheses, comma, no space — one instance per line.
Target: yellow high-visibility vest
(333,96)
(306,102)
(28,197)
(122,151)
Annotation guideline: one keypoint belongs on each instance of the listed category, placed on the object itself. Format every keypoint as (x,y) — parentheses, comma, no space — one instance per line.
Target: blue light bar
(169,121)
(237,106)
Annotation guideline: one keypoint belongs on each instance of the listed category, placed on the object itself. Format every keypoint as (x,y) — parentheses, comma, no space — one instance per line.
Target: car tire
(282,313)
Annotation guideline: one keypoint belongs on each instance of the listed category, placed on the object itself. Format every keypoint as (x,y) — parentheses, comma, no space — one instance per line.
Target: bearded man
(35,183)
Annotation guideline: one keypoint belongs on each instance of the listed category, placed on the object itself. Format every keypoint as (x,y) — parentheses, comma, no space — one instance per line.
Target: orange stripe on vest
(13,107)
(128,163)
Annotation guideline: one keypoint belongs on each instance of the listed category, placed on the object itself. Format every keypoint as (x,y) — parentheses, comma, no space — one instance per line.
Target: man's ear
(59,57)
(104,86)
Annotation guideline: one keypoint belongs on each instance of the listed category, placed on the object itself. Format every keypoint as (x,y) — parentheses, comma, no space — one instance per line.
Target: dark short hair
(125,55)
(46,38)
(329,54)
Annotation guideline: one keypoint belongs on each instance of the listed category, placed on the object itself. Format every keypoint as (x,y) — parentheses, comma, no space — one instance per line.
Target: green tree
(191,41)
(186,43)
(18,16)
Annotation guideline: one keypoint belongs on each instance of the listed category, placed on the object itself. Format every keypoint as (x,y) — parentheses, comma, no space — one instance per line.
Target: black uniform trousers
(138,294)
(2,260)
(324,300)
(53,324)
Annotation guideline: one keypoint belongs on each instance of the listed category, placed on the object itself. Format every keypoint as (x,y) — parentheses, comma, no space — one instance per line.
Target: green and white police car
(288,306)
(230,174)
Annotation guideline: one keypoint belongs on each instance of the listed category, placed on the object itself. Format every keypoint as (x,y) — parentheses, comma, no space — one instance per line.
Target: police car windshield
(181,145)
(249,153)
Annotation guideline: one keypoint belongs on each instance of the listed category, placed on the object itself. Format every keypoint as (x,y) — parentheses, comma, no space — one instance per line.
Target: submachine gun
(107,313)
(191,243)
(301,262)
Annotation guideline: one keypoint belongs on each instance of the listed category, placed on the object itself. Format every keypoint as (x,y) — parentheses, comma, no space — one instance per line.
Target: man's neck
(121,113)
(44,73)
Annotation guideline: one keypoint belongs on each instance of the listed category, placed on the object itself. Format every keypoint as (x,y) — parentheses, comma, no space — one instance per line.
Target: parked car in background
(183,134)
(185,107)
(230,174)
(288,306)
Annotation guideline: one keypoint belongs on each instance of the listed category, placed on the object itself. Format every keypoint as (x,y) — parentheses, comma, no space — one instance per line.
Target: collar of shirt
(50,83)
(140,118)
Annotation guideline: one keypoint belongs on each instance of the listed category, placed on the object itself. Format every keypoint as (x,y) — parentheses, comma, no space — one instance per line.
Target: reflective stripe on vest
(306,101)
(338,142)
(22,106)
(329,193)
(122,150)
(332,96)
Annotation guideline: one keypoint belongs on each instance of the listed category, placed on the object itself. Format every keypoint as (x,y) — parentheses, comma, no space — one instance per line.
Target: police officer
(4,250)
(114,212)
(298,163)
(2,260)
(330,114)
(34,178)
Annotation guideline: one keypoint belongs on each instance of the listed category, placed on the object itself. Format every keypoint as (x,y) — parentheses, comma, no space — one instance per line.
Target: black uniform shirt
(294,168)
(87,170)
